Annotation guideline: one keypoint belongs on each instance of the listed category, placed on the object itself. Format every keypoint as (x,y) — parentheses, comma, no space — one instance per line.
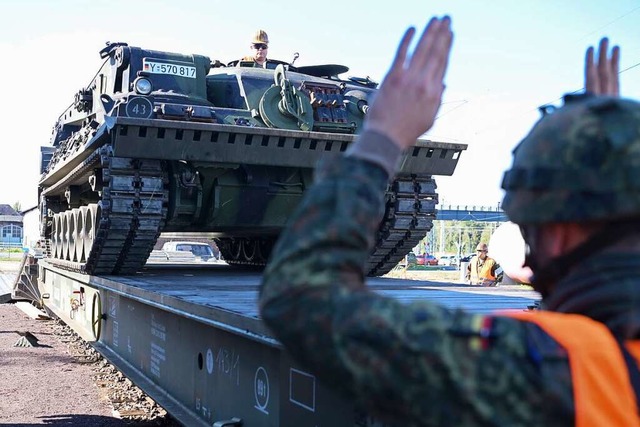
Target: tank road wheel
(81,227)
(89,229)
(233,249)
(76,247)
(264,248)
(250,250)
(60,234)
(58,230)
(92,218)
(236,247)
(65,235)
(73,234)
(55,236)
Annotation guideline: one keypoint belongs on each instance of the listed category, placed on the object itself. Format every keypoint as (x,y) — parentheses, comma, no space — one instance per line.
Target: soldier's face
(260,54)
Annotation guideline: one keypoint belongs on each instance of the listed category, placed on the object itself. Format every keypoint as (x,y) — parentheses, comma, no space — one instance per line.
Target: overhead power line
(615,20)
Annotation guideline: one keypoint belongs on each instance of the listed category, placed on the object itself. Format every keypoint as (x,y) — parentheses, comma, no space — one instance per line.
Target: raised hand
(601,78)
(405,107)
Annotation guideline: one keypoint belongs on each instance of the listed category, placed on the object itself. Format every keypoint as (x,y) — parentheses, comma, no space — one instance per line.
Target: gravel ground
(63,381)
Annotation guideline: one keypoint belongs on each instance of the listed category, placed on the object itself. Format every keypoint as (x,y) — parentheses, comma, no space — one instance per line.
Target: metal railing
(10,245)
(473,208)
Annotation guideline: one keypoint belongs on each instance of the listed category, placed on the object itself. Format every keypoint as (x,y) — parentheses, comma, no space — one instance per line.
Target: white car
(202,251)
(448,260)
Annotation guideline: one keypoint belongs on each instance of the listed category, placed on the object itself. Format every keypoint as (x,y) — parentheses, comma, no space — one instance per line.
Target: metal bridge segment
(471,213)
(192,339)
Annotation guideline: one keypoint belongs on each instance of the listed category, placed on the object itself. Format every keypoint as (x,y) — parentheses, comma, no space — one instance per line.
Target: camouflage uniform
(419,363)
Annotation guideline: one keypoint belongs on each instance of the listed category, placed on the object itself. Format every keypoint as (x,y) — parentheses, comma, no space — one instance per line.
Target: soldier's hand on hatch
(405,107)
(601,78)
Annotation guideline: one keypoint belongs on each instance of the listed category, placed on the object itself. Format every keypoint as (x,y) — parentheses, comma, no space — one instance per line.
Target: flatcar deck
(223,287)
(190,336)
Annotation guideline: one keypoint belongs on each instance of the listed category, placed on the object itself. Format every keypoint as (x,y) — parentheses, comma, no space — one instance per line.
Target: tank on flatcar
(165,142)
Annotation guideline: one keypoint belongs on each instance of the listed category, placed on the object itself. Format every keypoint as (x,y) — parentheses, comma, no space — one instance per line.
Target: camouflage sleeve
(417,363)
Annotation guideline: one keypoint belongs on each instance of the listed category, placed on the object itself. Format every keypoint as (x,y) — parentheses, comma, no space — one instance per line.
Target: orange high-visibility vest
(602,391)
(479,273)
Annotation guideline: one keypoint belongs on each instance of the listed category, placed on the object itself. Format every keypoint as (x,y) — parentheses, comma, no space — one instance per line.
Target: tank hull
(230,157)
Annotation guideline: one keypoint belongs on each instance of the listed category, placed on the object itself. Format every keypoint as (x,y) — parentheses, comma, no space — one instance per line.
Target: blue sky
(508,58)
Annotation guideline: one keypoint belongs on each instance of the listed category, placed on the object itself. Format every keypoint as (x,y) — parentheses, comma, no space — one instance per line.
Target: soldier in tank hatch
(573,190)
(259,46)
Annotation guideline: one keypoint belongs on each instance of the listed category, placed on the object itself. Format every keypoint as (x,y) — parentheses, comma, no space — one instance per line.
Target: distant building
(10,227)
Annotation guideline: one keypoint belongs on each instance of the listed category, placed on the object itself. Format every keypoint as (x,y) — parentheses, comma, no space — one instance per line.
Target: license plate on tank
(170,69)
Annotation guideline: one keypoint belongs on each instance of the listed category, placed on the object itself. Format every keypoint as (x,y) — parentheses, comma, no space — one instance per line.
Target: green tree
(459,237)
(17,207)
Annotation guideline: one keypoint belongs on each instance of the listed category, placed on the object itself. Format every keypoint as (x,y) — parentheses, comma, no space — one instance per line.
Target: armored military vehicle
(166,142)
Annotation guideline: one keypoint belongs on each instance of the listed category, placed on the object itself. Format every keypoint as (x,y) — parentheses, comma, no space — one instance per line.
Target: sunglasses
(481,250)
(259,46)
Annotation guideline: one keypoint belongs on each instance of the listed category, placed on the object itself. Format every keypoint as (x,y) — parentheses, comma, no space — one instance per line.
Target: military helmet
(260,37)
(579,163)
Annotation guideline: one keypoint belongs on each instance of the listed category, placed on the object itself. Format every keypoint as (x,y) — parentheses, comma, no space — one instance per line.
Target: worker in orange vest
(482,269)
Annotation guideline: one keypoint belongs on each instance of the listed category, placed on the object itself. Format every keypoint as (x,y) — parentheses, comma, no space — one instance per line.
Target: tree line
(456,237)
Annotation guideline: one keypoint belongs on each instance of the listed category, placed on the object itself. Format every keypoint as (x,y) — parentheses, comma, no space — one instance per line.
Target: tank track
(409,214)
(132,212)
(246,251)
(410,210)
(115,235)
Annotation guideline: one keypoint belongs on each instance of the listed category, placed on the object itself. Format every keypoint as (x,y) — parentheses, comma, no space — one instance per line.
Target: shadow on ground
(93,421)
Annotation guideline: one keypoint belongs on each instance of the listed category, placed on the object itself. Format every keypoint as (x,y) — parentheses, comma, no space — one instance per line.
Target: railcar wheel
(96,316)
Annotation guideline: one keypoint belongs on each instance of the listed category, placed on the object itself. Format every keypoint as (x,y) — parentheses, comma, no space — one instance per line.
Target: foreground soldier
(573,189)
